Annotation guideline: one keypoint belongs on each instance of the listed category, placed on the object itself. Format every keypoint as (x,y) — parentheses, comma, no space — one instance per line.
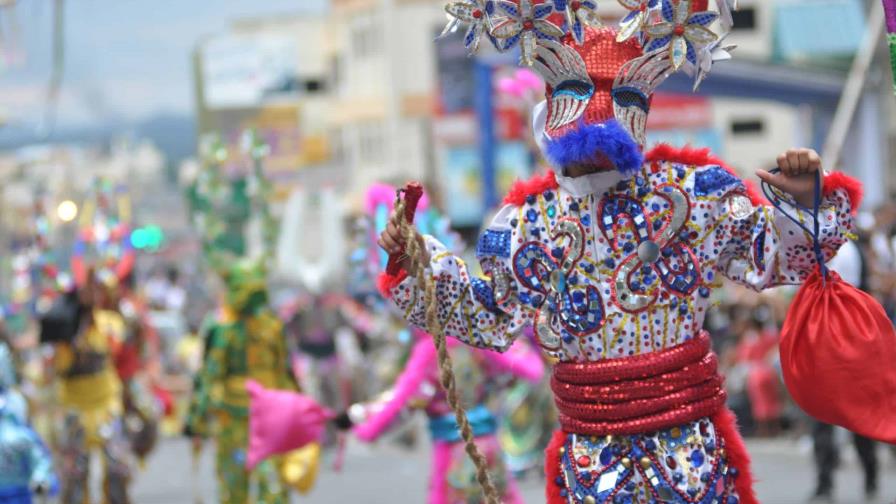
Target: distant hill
(175,135)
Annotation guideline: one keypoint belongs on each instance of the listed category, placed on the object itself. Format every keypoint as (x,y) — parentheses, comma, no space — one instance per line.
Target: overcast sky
(124,58)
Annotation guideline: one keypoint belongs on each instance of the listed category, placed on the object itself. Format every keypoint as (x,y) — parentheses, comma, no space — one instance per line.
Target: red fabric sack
(838,346)
(838,354)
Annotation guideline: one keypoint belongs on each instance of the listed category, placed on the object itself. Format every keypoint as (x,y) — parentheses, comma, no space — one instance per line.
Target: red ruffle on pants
(726,428)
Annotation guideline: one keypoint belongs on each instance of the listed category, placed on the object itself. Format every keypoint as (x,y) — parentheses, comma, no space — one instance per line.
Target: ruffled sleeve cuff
(833,182)
(387,283)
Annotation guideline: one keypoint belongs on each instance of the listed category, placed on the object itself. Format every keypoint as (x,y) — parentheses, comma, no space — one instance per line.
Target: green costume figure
(245,342)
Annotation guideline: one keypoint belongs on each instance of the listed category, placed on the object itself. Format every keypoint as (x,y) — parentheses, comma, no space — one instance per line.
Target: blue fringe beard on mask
(587,142)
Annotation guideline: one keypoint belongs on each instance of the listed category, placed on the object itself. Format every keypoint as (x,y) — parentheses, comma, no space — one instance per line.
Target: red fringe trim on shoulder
(552,469)
(738,457)
(700,157)
(523,188)
(684,155)
(853,188)
(386,282)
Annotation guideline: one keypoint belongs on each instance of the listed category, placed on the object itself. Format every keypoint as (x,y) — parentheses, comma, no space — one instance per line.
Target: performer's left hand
(343,421)
(798,174)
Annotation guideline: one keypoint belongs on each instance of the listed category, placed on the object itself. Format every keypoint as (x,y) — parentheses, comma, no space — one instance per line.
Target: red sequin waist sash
(639,394)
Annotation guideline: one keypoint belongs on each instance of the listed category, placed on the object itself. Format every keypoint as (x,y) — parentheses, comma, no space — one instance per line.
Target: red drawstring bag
(838,352)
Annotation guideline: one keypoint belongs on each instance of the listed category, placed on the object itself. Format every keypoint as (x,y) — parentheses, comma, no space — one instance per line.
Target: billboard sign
(242,70)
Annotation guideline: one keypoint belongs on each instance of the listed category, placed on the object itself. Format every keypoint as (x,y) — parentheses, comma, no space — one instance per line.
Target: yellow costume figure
(245,342)
(90,397)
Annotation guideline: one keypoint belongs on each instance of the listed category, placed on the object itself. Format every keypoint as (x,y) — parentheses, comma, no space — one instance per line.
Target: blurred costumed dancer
(528,421)
(613,256)
(104,244)
(452,475)
(90,390)
(26,466)
(245,341)
(90,399)
(310,256)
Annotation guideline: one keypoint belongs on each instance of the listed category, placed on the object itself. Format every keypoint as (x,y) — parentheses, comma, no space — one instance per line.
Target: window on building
(747,126)
(371,139)
(337,147)
(314,85)
(336,73)
(744,18)
(366,38)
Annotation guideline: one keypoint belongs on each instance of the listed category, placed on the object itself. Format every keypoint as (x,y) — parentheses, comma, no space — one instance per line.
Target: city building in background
(270,74)
(384,85)
(362,94)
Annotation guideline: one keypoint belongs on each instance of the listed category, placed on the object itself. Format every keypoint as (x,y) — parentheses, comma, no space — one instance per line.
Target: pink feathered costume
(452,479)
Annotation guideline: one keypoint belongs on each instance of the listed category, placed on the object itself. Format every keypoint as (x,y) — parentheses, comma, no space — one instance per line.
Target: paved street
(386,474)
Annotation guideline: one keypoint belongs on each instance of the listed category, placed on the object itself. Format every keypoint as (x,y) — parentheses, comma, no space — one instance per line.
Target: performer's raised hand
(797,176)
(392,241)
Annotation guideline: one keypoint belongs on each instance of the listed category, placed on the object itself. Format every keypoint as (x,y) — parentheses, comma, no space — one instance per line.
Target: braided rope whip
(418,257)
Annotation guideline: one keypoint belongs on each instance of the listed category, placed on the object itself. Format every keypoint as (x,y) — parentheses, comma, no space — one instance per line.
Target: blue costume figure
(26,466)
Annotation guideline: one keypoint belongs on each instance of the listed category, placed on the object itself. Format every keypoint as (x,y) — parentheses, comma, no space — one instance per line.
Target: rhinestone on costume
(525,24)
(476,14)
(648,252)
(740,206)
(635,83)
(633,23)
(579,15)
(494,243)
(565,73)
(681,33)
(711,180)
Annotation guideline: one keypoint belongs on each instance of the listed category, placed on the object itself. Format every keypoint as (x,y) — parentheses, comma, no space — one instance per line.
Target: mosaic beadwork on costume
(494,243)
(623,272)
(685,465)
(709,182)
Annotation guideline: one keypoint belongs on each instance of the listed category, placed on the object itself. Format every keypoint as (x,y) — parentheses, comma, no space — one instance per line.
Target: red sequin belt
(639,394)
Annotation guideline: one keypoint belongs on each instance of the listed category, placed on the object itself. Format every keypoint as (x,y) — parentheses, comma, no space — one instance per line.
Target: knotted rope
(419,261)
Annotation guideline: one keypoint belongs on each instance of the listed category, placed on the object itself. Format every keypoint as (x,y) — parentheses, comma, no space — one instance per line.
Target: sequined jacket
(607,266)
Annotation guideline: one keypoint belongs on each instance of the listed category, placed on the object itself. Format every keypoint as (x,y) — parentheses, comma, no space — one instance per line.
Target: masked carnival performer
(105,242)
(26,466)
(612,257)
(86,331)
(244,342)
(90,397)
